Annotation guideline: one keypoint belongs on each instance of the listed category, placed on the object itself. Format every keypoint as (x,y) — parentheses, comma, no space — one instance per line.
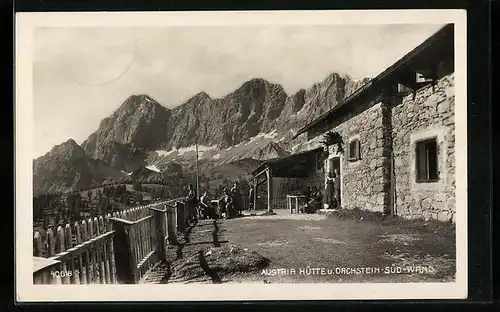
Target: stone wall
(429,114)
(362,181)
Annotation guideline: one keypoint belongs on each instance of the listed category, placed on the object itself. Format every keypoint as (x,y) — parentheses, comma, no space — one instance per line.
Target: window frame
(417,166)
(357,156)
(320,161)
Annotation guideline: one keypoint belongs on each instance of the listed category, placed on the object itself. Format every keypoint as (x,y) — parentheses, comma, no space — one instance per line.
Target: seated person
(307,193)
(314,203)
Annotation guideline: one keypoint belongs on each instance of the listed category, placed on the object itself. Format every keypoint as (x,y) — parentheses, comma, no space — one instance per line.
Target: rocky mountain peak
(257,109)
(71,143)
(253,85)
(195,100)
(67,149)
(133,102)
(202,96)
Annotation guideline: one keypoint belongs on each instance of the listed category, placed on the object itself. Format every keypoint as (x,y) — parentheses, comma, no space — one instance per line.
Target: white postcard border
(27,292)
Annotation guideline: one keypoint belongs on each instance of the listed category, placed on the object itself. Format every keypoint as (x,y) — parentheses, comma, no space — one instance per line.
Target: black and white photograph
(279,155)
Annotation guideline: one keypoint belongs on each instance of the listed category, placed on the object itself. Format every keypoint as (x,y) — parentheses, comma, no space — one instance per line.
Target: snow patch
(216,156)
(127,173)
(192,148)
(164,152)
(296,147)
(270,135)
(153,168)
(183,150)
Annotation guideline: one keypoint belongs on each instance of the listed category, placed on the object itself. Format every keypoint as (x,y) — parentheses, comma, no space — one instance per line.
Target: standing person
(228,204)
(329,189)
(191,202)
(337,188)
(250,198)
(235,191)
(205,205)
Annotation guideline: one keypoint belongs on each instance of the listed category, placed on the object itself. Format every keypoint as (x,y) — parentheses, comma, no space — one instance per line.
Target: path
(189,255)
(315,241)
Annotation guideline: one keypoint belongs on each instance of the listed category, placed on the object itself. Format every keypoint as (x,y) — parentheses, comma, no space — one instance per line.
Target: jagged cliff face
(126,140)
(306,105)
(256,107)
(227,121)
(67,167)
(140,122)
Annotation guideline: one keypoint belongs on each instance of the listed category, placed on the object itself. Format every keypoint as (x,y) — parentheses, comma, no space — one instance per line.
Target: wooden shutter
(357,148)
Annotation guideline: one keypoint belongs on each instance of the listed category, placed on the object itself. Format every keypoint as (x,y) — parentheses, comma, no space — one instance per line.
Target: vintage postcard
(279,155)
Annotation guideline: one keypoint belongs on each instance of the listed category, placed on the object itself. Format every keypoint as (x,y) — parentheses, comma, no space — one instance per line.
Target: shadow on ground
(359,246)
(350,246)
(201,257)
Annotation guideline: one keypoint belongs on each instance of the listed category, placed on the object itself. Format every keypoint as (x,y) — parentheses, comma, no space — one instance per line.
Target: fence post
(171,230)
(159,234)
(181,217)
(124,257)
(37,245)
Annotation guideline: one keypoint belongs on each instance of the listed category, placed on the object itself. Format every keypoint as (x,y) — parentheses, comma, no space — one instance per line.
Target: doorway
(334,169)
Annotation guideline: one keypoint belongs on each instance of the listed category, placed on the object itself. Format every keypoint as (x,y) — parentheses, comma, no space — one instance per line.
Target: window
(422,78)
(320,160)
(426,155)
(353,152)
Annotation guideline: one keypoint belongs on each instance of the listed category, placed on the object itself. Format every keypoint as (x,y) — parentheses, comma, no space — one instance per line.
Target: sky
(82,75)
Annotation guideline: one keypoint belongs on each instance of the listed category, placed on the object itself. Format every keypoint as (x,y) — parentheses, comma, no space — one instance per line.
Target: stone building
(398,135)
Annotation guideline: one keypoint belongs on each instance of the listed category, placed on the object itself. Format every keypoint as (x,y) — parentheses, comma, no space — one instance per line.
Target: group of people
(229,205)
(314,198)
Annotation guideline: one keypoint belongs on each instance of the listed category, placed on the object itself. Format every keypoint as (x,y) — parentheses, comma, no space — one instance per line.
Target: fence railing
(119,248)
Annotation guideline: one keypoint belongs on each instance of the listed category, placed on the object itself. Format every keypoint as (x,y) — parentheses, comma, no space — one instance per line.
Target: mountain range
(253,123)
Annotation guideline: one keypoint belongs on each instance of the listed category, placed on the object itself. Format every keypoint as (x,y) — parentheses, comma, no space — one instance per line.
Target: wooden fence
(118,248)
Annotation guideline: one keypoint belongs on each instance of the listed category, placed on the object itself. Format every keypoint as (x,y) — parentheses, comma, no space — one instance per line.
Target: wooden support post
(126,266)
(181,217)
(159,234)
(188,213)
(255,186)
(171,231)
(269,175)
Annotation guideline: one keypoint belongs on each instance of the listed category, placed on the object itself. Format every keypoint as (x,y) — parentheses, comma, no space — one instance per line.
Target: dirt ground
(344,247)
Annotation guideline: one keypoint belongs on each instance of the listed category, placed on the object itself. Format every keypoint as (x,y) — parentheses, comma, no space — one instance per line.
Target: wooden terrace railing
(119,248)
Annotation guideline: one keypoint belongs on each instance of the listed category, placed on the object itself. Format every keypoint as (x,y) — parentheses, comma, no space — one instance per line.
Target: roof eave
(380,77)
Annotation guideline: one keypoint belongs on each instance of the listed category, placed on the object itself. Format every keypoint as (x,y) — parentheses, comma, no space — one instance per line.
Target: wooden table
(297,199)
(215,201)
(216,205)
